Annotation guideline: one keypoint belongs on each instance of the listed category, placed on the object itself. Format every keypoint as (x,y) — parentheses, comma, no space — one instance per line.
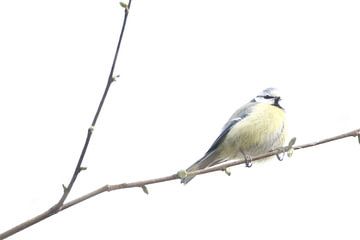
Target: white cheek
(263,100)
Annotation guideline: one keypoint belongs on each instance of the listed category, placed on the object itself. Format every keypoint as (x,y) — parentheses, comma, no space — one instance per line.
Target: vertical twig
(67,189)
(110,80)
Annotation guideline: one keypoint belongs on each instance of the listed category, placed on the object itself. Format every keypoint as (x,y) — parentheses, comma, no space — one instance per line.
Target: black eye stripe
(267,97)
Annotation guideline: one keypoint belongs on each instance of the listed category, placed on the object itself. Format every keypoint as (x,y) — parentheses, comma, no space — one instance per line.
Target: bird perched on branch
(256,128)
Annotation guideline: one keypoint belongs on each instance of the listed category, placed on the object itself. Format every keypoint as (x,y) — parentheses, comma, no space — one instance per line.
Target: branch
(220,167)
(67,189)
(61,205)
(142,184)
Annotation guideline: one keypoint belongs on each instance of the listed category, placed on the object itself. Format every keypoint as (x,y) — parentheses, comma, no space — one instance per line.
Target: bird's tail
(204,162)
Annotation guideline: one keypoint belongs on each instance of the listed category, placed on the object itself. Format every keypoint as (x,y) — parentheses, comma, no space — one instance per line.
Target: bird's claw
(288,149)
(280,156)
(248,160)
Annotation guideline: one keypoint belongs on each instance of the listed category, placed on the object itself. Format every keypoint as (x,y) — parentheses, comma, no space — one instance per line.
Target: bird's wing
(223,134)
(238,116)
(212,155)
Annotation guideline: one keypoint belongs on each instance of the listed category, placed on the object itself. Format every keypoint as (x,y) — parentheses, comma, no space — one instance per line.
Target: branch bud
(292,142)
(227,171)
(83,168)
(124,5)
(91,129)
(144,188)
(114,78)
(182,174)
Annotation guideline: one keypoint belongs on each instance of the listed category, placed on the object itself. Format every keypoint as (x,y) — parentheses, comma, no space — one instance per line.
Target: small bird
(256,128)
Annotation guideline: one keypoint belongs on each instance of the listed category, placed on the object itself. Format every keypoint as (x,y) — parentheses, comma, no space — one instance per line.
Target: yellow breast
(261,131)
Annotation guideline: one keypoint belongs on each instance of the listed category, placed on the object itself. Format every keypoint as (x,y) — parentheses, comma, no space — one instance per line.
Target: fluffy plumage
(257,127)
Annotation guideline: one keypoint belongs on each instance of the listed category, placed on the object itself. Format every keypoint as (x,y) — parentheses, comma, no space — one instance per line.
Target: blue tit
(256,128)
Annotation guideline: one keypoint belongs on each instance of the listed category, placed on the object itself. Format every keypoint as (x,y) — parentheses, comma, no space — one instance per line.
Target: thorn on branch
(145,189)
(64,188)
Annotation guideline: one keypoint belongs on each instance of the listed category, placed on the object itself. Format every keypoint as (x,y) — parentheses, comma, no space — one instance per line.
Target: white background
(185,66)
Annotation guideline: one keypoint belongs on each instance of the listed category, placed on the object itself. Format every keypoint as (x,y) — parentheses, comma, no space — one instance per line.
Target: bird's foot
(280,156)
(287,149)
(248,160)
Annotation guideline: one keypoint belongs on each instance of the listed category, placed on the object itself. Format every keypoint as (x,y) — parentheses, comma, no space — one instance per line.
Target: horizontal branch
(142,184)
(220,167)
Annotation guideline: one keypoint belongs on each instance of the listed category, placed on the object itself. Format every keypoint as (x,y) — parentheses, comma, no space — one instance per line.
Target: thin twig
(67,189)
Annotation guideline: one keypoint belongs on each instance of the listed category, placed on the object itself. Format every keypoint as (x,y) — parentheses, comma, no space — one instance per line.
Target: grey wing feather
(239,115)
(223,134)
(241,112)
(212,155)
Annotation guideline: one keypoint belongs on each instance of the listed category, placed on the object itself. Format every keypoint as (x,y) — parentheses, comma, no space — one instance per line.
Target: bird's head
(270,96)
